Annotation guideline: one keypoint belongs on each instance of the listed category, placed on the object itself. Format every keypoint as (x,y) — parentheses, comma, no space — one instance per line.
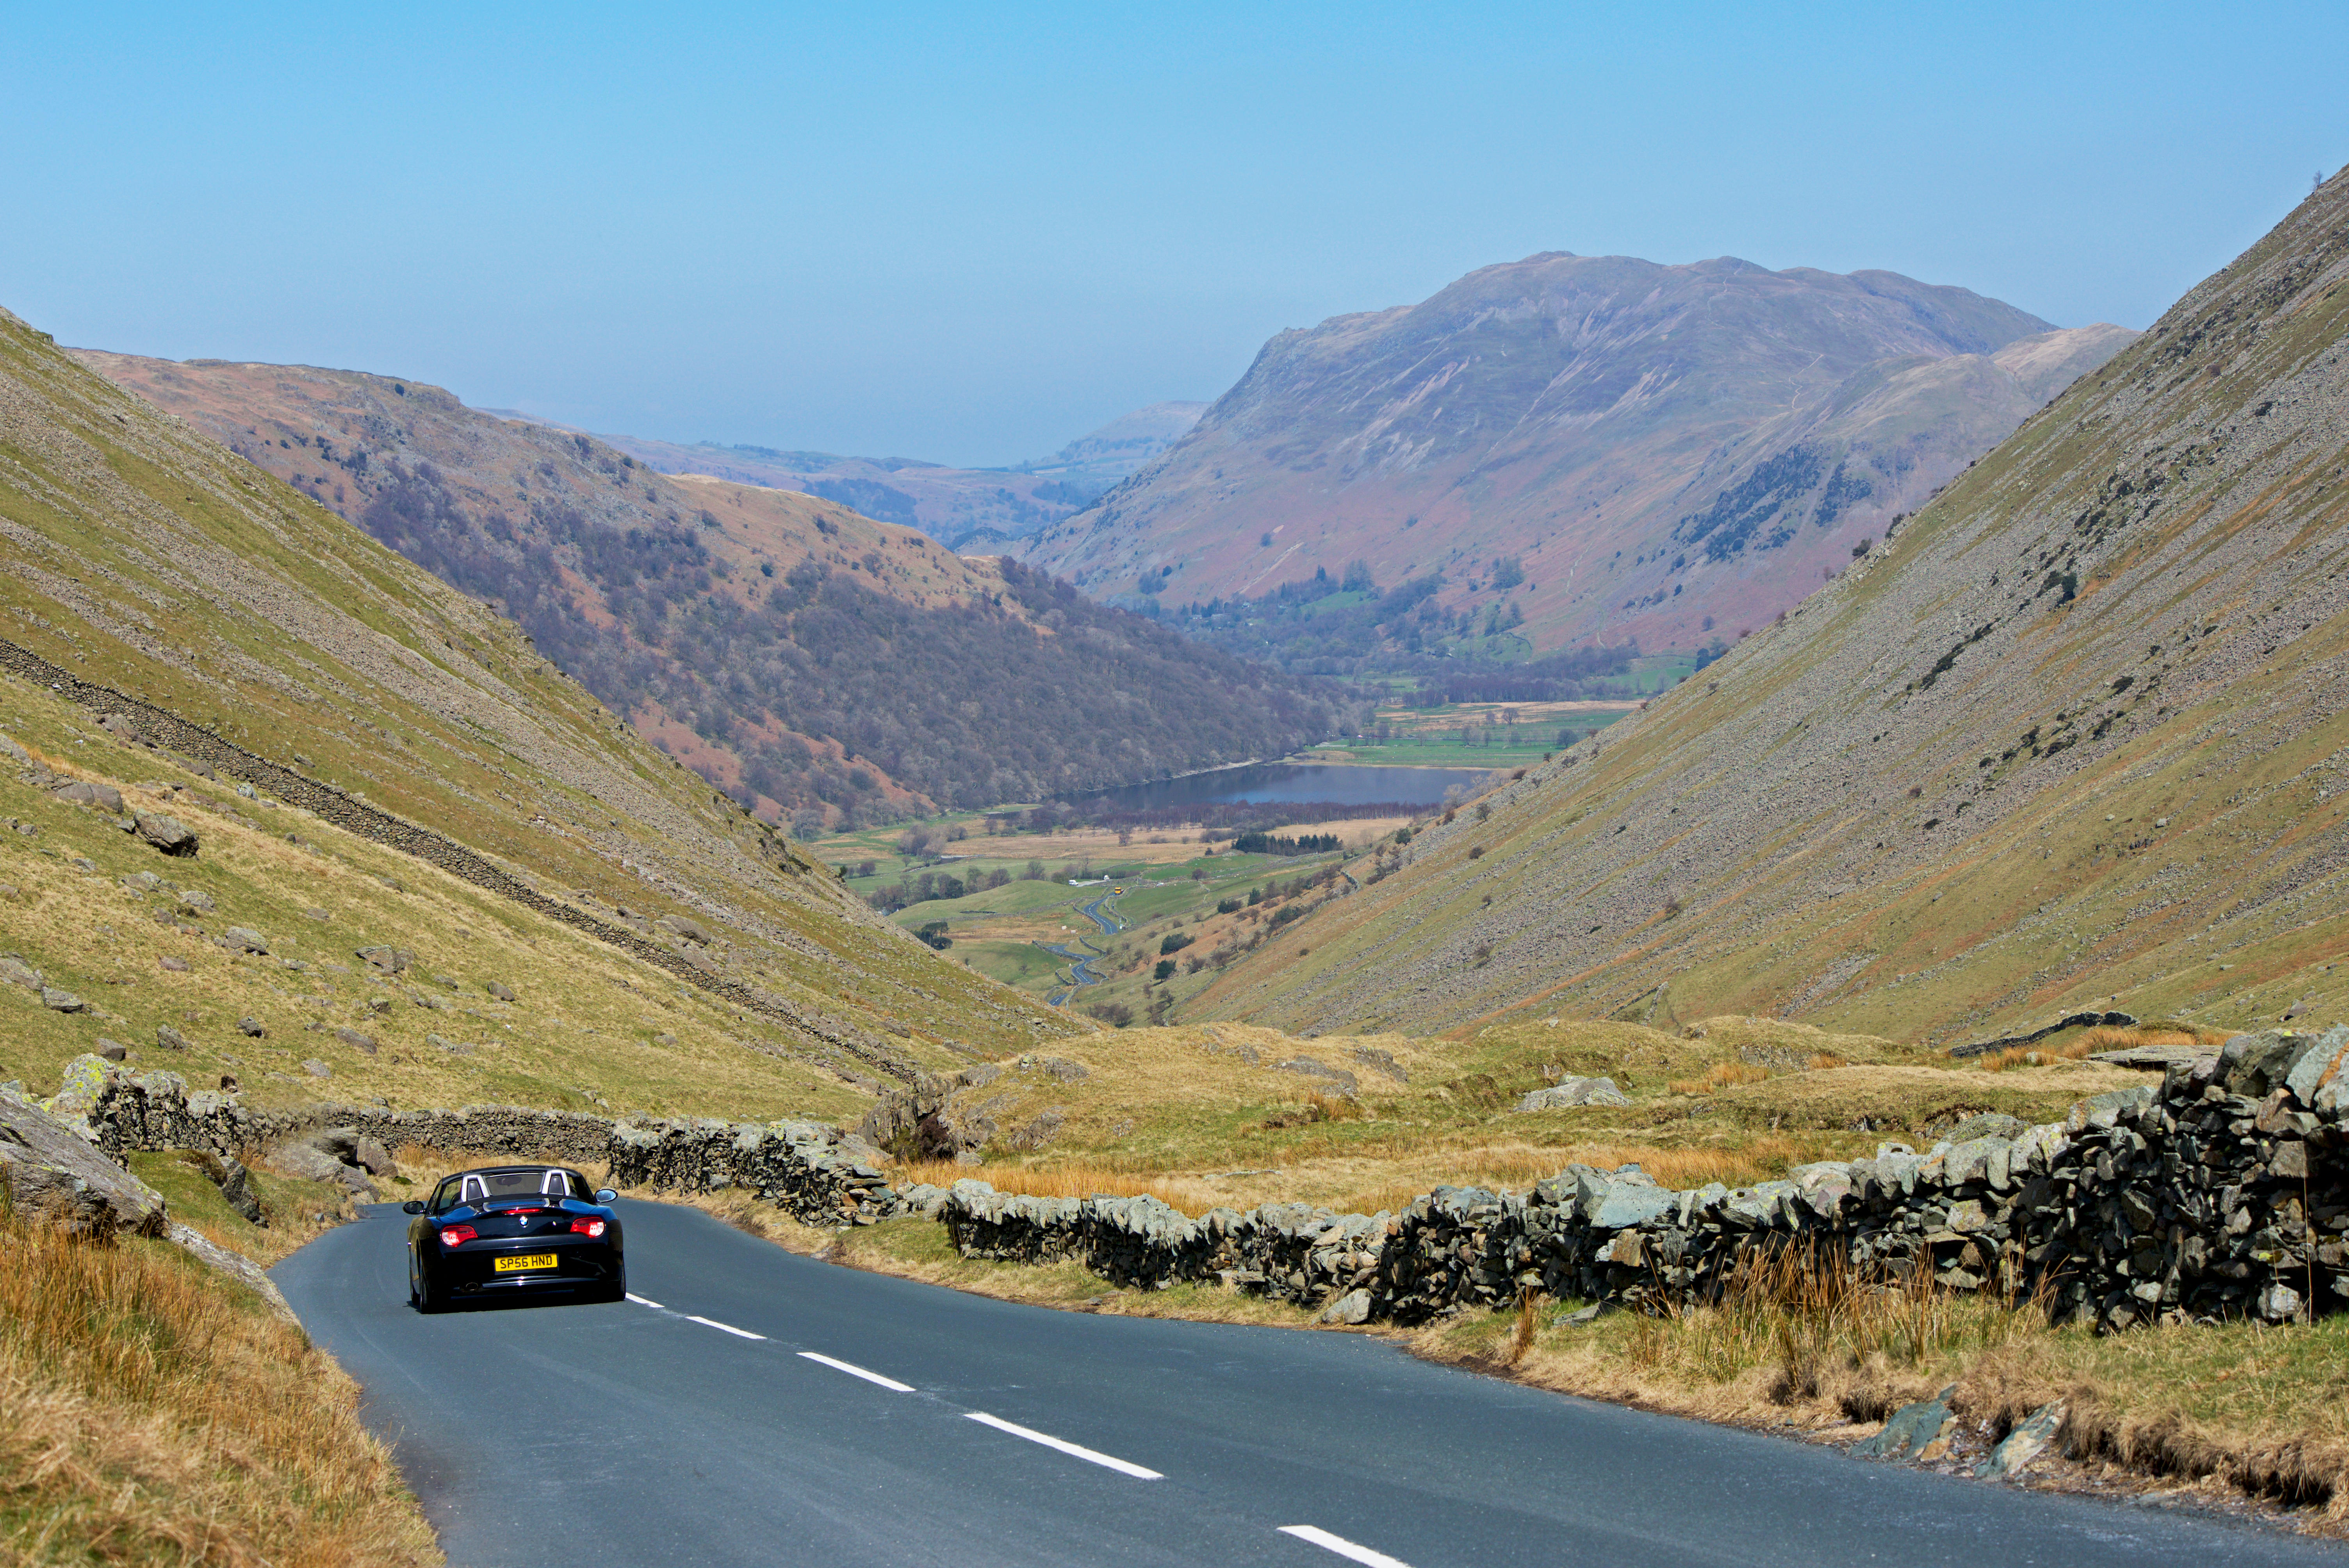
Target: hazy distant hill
(968,509)
(2079,738)
(1655,451)
(811,660)
(1121,445)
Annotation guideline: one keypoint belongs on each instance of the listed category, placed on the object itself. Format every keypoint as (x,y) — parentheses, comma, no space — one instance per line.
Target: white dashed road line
(1342,1547)
(1352,1551)
(854,1371)
(1107,1461)
(723,1327)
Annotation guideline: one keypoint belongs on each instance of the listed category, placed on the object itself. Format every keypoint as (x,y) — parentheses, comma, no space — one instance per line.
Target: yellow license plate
(527,1261)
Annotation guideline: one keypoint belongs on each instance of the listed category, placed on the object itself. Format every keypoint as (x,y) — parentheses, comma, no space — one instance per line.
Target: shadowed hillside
(2075,738)
(817,665)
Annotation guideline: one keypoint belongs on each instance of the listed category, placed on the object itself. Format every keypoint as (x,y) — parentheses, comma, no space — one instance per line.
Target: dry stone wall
(2222,1192)
(823,1175)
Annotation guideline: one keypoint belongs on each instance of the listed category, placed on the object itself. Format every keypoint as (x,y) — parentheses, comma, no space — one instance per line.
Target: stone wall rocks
(2218,1194)
(823,1175)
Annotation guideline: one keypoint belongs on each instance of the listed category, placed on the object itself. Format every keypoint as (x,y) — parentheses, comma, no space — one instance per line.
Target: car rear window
(490,1186)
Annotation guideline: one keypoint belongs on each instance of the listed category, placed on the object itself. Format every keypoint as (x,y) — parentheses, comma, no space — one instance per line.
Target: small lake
(1294,783)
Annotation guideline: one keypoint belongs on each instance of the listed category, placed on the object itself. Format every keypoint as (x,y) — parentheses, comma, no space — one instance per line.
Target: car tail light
(587,1227)
(457,1235)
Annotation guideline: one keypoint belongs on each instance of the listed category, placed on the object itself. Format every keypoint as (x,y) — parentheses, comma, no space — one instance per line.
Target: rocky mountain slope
(821,666)
(2075,738)
(1610,449)
(967,509)
(320,693)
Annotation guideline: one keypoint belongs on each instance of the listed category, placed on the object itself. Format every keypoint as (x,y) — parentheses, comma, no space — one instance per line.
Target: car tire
(427,1298)
(618,1289)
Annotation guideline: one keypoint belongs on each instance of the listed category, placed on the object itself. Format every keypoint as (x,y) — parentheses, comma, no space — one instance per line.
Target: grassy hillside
(814,663)
(140,556)
(2074,737)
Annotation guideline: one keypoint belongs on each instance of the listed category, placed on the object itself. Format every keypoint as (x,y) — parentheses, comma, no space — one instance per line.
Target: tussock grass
(2088,1042)
(1822,1328)
(1064,1179)
(151,1412)
(1799,1338)
(1722,1075)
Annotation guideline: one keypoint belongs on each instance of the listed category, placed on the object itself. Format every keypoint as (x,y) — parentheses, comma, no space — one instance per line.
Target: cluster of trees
(1567,675)
(1222,819)
(1037,692)
(1303,844)
(1349,626)
(937,886)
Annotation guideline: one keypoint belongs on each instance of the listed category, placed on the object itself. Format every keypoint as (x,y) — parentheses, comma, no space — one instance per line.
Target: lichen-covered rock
(56,1175)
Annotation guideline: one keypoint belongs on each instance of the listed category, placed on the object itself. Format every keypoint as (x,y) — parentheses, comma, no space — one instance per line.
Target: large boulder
(686,928)
(82,793)
(56,1174)
(329,1156)
(1574,1092)
(168,834)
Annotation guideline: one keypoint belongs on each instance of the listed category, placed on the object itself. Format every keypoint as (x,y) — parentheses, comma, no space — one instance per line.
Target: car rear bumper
(468,1272)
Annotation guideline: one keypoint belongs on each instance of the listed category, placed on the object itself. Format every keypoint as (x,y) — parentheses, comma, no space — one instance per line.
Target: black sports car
(513,1228)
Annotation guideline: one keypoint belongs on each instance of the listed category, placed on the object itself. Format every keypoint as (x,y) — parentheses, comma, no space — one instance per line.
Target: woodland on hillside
(1036,692)
(1350,626)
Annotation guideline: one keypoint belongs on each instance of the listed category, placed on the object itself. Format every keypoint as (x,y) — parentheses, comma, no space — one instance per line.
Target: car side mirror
(604,1194)
(413,1206)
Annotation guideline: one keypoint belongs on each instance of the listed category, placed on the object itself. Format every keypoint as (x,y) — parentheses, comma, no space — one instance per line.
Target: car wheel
(428,1296)
(618,1289)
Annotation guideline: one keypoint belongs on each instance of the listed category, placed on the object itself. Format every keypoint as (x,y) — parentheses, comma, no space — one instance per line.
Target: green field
(1156,886)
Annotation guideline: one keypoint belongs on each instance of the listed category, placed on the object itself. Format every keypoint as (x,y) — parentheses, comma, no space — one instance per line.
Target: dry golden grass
(2102,1037)
(1062,1178)
(1799,1339)
(150,1412)
(1724,1074)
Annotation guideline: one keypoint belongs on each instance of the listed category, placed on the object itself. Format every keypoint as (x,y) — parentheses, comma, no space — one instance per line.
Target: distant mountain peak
(1594,419)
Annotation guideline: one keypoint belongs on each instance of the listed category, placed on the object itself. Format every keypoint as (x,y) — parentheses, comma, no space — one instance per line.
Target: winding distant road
(751,1407)
(1080,974)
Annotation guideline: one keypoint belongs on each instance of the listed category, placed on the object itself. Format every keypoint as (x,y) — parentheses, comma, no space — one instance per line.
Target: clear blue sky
(948,233)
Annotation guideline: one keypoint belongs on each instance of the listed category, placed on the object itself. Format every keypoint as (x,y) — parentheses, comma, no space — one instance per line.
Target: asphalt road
(665,1434)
